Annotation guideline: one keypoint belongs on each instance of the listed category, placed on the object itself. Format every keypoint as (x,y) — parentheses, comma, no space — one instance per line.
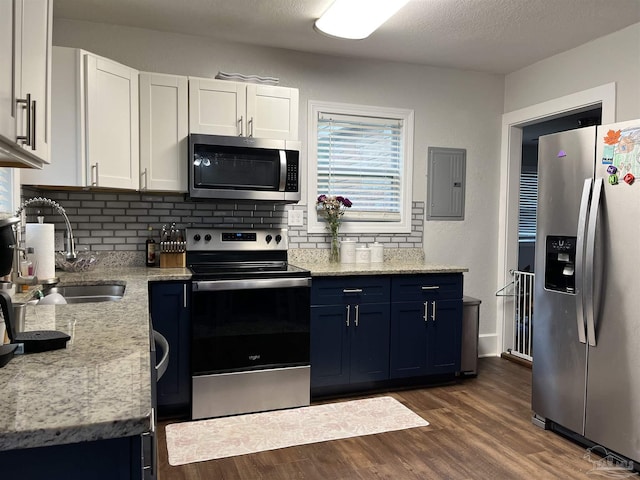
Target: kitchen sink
(89,293)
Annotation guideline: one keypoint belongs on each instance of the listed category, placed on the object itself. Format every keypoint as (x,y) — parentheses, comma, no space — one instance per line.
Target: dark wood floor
(479,428)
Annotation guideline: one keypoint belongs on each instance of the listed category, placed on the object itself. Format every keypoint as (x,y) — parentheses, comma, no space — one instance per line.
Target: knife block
(173,260)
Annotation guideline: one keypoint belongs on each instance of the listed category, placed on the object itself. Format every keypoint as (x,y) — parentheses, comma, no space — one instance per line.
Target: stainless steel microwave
(243,169)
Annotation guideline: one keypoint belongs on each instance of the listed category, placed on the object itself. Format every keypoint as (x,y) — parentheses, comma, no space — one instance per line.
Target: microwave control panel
(291,184)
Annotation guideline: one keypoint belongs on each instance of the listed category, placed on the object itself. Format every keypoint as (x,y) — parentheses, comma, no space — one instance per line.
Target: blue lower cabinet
(444,338)
(349,344)
(369,343)
(330,348)
(425,338)
(114,459)
(169,310)
(374,329)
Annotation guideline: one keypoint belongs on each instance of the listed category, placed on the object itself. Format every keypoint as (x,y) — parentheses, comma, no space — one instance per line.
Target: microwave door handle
(283,170)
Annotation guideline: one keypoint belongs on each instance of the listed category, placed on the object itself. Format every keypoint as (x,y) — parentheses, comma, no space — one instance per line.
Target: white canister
(363,255)
(347,251)
(377,252)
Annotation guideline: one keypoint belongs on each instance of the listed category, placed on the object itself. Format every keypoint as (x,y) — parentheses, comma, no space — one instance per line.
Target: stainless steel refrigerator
(586,330)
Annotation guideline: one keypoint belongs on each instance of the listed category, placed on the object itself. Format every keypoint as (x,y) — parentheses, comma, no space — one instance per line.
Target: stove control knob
(207,238)
(268,239)
(278,238)
(196,237)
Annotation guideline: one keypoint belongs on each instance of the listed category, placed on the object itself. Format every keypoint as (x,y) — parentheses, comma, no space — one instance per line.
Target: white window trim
(314,225)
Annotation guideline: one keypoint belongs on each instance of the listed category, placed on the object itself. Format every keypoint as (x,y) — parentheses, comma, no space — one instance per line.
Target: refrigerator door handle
(579,265)
(589,261)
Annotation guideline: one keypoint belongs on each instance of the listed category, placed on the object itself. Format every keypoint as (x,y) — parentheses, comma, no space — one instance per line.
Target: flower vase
(335,247)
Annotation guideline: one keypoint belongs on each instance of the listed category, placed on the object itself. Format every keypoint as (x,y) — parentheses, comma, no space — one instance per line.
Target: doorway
(513,126)
(527,202)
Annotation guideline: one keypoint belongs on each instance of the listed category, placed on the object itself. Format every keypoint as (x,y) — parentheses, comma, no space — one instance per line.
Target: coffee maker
(7,245)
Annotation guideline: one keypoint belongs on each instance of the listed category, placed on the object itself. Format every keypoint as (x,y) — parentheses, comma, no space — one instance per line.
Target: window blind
(528,205)
(361,158)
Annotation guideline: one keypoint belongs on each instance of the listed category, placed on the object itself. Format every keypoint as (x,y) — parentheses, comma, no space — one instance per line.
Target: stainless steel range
(250,322)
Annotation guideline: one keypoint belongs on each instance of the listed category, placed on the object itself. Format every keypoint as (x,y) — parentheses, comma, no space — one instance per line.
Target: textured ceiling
(497,36)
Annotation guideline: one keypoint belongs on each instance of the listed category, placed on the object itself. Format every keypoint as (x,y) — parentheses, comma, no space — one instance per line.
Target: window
(365,154)
(528,206)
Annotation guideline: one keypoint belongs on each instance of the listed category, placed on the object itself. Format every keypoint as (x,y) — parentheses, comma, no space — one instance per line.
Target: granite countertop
(324,269)
(99,386)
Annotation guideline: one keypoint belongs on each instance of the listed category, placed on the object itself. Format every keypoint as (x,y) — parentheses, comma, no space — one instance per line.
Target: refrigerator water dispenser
(559,271)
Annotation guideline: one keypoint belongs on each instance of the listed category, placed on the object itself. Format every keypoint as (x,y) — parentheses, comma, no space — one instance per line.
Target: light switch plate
(295,218)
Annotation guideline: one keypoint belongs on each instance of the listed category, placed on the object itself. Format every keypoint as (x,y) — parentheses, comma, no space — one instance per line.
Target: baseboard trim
(516,359)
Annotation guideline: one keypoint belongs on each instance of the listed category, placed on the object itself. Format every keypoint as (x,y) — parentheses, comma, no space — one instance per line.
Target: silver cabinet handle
(250,127)
(357,314)
(94,168)
(144,174)
(241,122)
(426,306)
(26,102)
(433,311)
(352,290)
(348,312)
(33,126)
(432,287)
(184,296)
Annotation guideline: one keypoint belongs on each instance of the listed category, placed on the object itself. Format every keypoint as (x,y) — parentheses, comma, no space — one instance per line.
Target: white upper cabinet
(25,95)
(94,123)
(113,151)
(164,131)
(217,107)
(7,72)
(221,107)
(272,112)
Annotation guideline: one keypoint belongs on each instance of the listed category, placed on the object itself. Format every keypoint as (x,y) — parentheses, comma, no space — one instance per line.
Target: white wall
(613,58)
(452,109)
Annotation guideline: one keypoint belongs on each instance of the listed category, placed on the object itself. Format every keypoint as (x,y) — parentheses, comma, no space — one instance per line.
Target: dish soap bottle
(151,249)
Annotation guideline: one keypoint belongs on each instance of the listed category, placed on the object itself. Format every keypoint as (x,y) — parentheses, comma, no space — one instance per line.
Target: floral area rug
(202,440)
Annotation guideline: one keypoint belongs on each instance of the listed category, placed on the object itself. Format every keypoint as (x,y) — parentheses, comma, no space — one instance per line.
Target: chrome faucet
(70,253)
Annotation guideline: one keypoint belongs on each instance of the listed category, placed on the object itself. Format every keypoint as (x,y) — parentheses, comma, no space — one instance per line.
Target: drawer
(440,286)
(356,289)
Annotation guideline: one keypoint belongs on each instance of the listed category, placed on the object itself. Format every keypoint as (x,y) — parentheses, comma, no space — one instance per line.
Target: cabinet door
(444,337)
(369,339)
(170,317)
(8,71)
(408,340)
(329,346)
(217,107)
(163,132)
(272,112)
(35,27)
(111,124)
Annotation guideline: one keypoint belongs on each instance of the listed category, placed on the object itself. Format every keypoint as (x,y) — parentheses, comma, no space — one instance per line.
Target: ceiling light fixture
(357,19)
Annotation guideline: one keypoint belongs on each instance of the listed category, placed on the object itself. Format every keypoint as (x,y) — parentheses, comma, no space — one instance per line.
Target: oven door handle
(249,284)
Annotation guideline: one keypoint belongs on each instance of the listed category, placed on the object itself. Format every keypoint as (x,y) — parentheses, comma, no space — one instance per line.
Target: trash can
(470,324)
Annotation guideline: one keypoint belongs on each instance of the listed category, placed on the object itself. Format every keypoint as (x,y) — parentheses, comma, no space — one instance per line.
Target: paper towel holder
(70,254)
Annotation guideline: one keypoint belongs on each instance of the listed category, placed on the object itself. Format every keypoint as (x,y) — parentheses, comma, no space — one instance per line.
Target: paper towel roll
(41,236)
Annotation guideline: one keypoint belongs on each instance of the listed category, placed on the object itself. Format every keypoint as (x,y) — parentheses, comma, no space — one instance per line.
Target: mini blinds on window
(528,205)
(360,158)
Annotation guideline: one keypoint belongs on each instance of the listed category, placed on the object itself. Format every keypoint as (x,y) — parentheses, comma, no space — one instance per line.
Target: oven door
(249,324)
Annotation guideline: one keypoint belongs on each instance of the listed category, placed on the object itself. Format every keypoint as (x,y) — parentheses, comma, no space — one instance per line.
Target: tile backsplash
(105,221)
